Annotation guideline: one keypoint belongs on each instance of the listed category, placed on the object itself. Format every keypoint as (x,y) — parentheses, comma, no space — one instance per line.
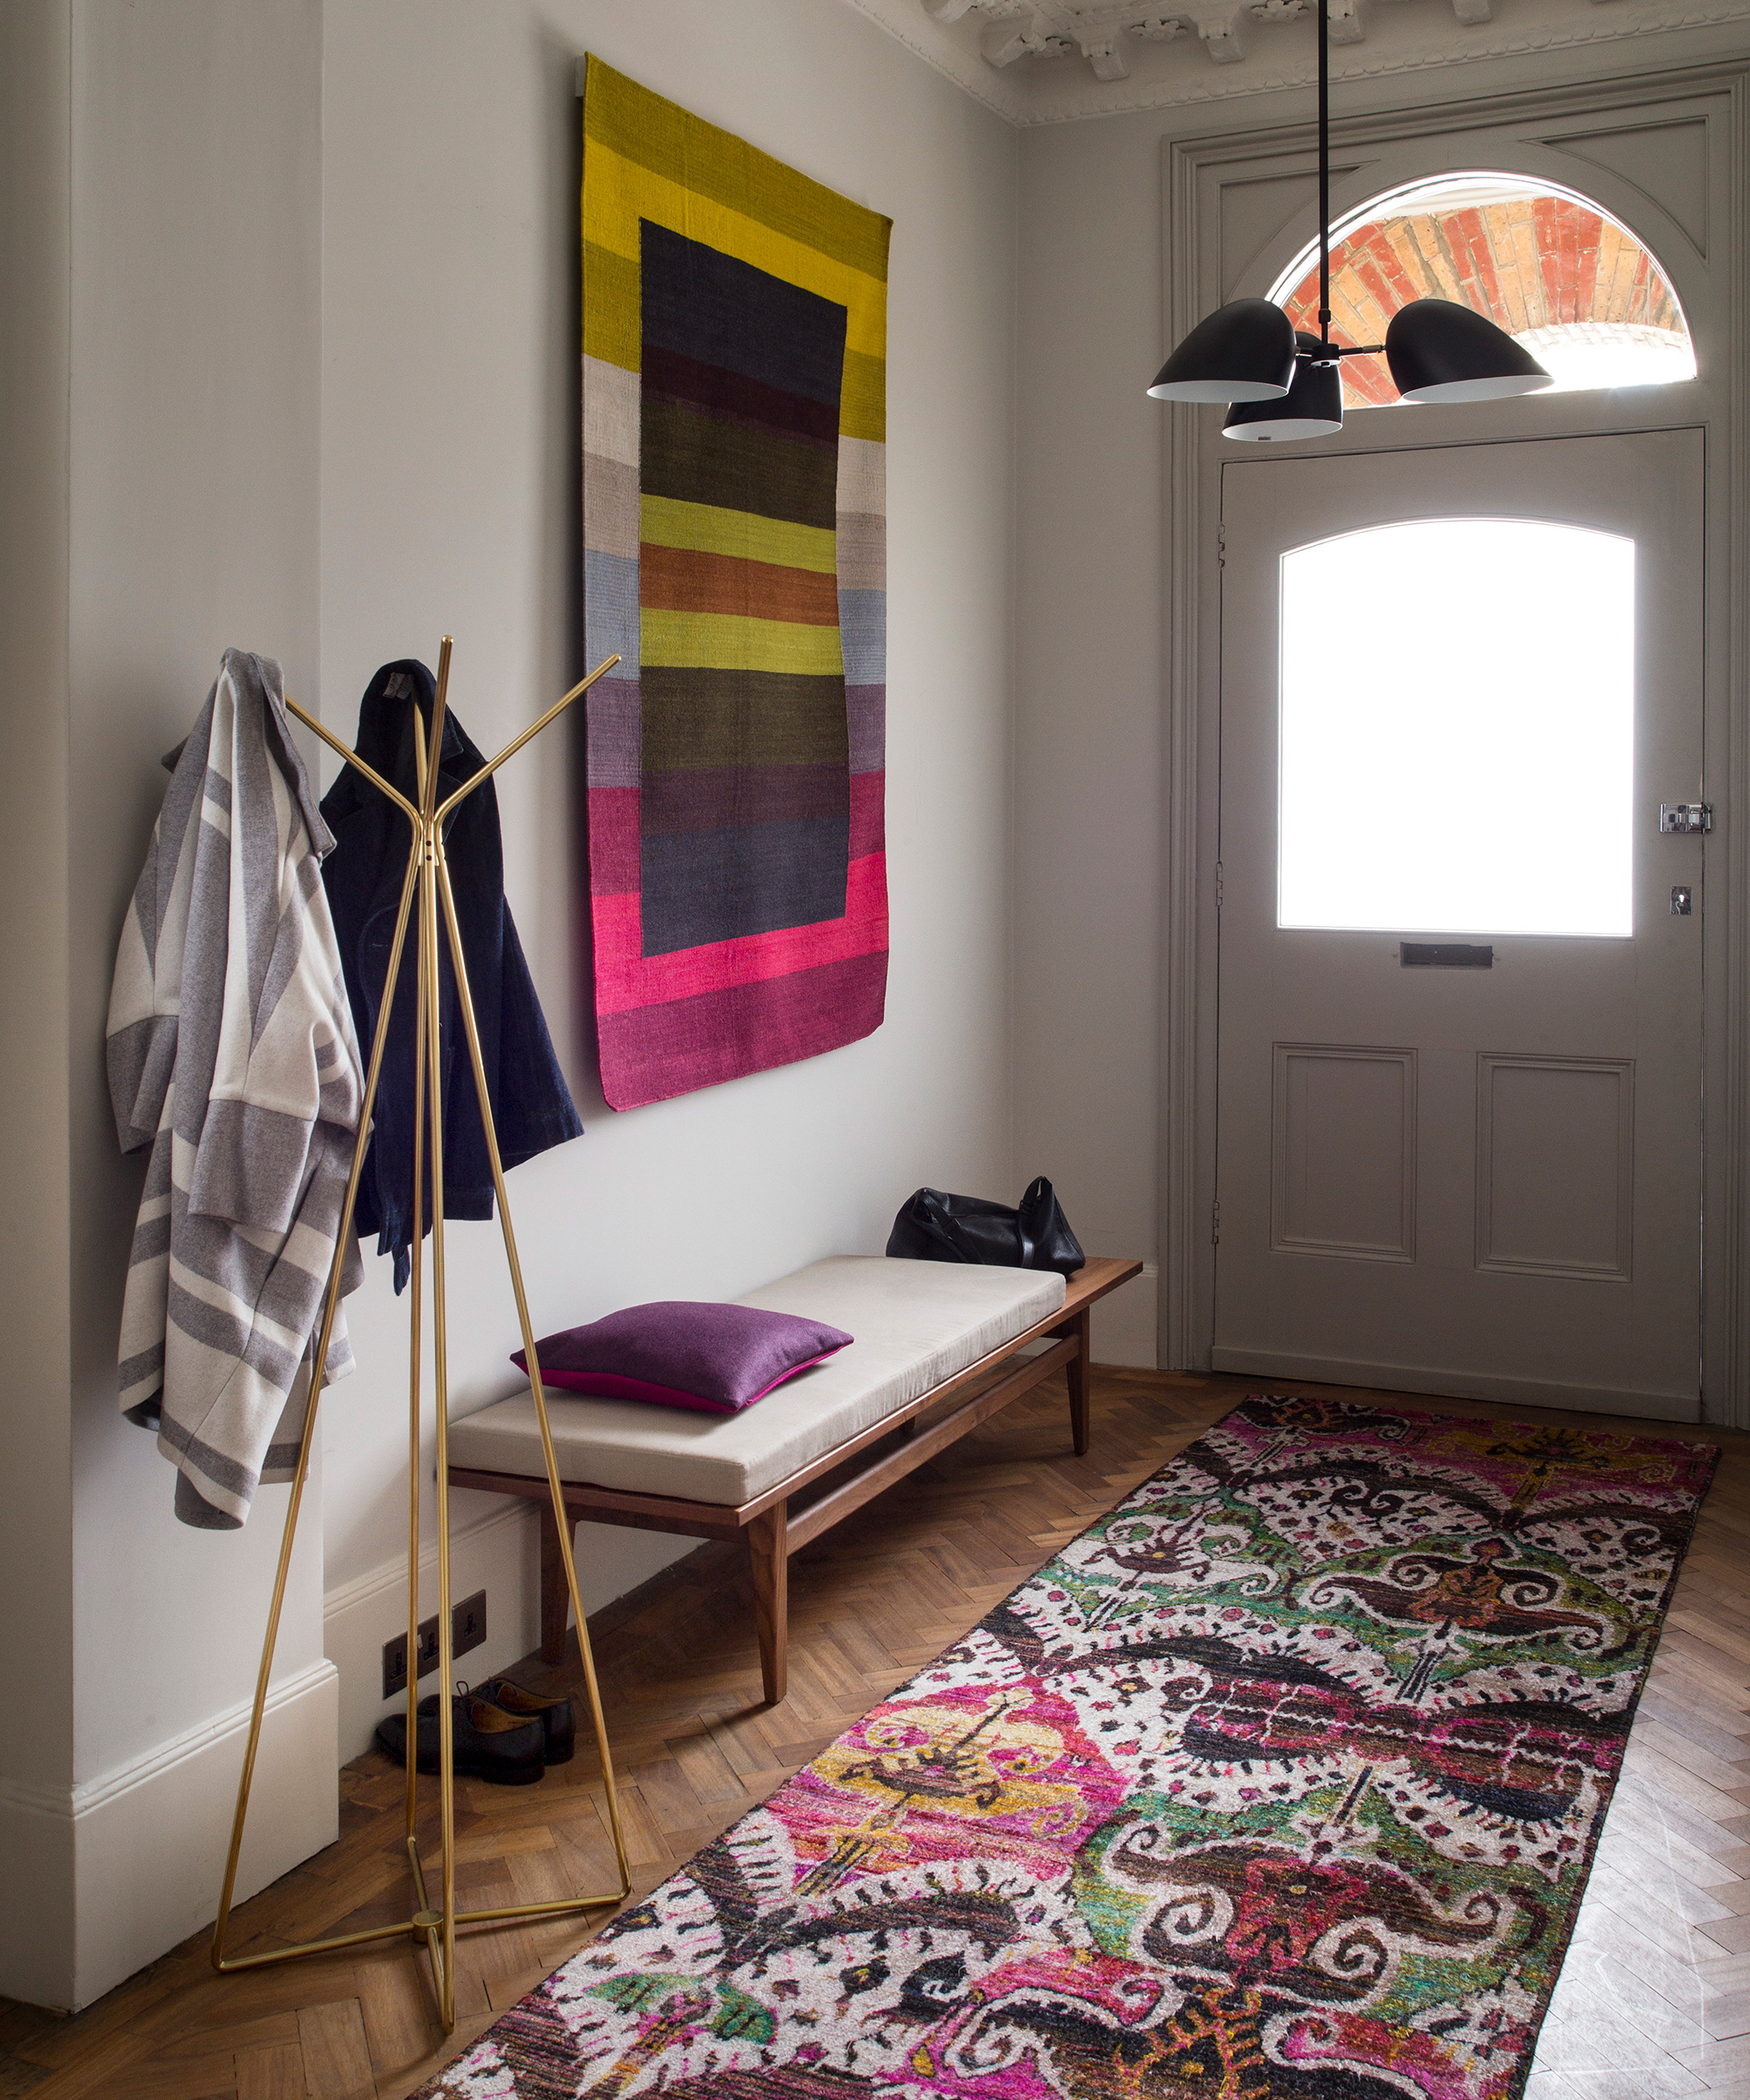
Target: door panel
(1555,1190)
(1343,1136)
(1437,1175)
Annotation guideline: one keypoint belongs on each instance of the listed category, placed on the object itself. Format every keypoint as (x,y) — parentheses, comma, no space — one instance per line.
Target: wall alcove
(1603,221)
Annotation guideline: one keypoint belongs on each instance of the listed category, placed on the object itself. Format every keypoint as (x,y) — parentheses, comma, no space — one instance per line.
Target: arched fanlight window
(1564,279)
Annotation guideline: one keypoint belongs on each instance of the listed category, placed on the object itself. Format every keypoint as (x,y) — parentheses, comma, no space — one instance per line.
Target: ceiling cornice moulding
(1054,61)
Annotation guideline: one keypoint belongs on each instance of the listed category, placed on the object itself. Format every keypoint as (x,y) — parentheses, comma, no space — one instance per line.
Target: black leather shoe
(490,1744)
(554,1714)
(558,1725)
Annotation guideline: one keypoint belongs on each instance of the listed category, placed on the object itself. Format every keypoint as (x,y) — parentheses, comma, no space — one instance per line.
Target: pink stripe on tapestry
(653,1053)
(625,978)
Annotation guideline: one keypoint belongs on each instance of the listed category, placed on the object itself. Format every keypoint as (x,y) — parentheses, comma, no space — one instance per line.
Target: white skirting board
(499,1553)
(144,1846)
(36,1938)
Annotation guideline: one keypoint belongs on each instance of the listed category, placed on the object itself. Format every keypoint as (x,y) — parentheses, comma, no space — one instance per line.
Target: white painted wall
(1088,693)
(192,472)
(450,448)
(36,1530)
(291,363)
(167,351)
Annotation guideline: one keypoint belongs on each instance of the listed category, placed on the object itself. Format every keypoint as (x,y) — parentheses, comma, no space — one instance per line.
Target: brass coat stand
(428,873)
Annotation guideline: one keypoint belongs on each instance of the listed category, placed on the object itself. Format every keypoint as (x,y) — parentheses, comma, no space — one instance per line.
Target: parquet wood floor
(1655,1997)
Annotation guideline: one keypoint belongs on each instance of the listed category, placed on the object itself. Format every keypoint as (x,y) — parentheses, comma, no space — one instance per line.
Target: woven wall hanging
(734,555)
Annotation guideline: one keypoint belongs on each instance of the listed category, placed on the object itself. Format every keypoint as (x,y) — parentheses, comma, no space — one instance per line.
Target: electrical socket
(395,1657)
(468,1623)
(467,1629)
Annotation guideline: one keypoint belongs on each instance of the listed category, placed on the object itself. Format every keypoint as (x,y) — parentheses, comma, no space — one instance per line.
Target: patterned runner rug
(1284,1780)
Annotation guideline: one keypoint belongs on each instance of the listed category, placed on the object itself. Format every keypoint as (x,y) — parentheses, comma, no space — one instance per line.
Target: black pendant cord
(1324,181)
(1328,353)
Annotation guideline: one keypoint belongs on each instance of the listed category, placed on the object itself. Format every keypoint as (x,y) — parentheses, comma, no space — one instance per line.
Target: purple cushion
(680,1353)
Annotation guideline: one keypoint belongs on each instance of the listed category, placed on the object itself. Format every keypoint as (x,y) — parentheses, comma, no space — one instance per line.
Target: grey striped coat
(231,1053)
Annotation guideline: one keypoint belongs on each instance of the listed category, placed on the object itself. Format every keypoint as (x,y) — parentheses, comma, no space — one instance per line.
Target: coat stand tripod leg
(561,1515)
(426,884)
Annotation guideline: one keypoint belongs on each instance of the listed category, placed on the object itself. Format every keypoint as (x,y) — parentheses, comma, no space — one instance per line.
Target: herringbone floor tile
(1655,1997)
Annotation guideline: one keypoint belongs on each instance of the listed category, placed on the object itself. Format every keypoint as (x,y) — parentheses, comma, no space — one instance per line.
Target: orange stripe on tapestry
(678,580)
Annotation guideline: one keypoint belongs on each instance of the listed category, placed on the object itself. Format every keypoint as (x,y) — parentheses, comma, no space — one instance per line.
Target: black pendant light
(1440,351)
(1244,351)
(1284,384)
(1312,407)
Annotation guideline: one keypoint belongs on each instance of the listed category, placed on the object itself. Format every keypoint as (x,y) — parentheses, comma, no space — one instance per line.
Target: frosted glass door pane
(1458,729)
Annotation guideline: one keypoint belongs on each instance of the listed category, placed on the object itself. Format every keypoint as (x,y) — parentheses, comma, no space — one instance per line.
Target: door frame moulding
(1376,153)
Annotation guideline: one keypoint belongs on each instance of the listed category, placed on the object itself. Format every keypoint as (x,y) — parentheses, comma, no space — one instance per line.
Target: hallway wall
(450,448)
(291,363)
(167,506)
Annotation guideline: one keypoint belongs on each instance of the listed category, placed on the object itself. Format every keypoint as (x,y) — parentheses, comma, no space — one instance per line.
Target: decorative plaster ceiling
(1046,61)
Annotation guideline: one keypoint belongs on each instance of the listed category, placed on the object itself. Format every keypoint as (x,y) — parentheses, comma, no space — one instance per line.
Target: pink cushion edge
(609,1385)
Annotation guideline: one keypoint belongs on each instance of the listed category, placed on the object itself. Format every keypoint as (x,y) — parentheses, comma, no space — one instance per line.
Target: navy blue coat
(532,1106)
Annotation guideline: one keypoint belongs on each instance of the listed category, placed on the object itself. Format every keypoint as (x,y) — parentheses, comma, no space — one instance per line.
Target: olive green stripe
(698,718)
(698,458)
(683,149)
(710,529)
(737,642)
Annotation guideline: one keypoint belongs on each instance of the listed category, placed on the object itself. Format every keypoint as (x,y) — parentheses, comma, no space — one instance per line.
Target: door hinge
(1221,544)
(1216,1225)
(1686,816)
(1218,886)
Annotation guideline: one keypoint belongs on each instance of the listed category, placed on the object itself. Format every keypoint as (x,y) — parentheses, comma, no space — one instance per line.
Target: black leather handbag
(933,1227)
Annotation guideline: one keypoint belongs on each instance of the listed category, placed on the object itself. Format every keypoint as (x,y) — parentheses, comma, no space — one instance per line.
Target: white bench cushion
(915,1324)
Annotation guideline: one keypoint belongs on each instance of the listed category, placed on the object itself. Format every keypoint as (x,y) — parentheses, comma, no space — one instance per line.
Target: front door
(1459,1145)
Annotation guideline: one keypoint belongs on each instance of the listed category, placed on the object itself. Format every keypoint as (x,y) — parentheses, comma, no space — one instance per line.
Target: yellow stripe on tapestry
(611,317)
(617,193)
(639,125)
(704,529)
(730,642)
(863,398)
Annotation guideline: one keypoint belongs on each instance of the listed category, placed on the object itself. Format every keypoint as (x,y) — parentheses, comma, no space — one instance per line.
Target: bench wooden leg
(768,1550)
(1077,1372)
(555,1598)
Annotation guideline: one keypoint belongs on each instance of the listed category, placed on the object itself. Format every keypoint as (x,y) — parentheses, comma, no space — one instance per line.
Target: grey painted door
(1459,1143)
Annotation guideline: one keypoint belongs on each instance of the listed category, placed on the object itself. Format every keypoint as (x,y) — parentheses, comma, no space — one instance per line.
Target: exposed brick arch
(1527,262)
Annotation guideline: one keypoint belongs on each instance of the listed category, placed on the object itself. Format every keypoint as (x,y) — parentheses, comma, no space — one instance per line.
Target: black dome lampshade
(1244,351)
(1312,408)
(1439,351)
(1278,383)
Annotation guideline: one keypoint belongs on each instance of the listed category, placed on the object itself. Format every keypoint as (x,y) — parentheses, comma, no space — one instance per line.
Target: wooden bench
(787,1512)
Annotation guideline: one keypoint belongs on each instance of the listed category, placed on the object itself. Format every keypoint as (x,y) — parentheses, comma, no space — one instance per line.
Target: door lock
(1685,817)
(1683,900)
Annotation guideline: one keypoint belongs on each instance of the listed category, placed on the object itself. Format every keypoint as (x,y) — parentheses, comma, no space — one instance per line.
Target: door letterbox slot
(1445,954)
